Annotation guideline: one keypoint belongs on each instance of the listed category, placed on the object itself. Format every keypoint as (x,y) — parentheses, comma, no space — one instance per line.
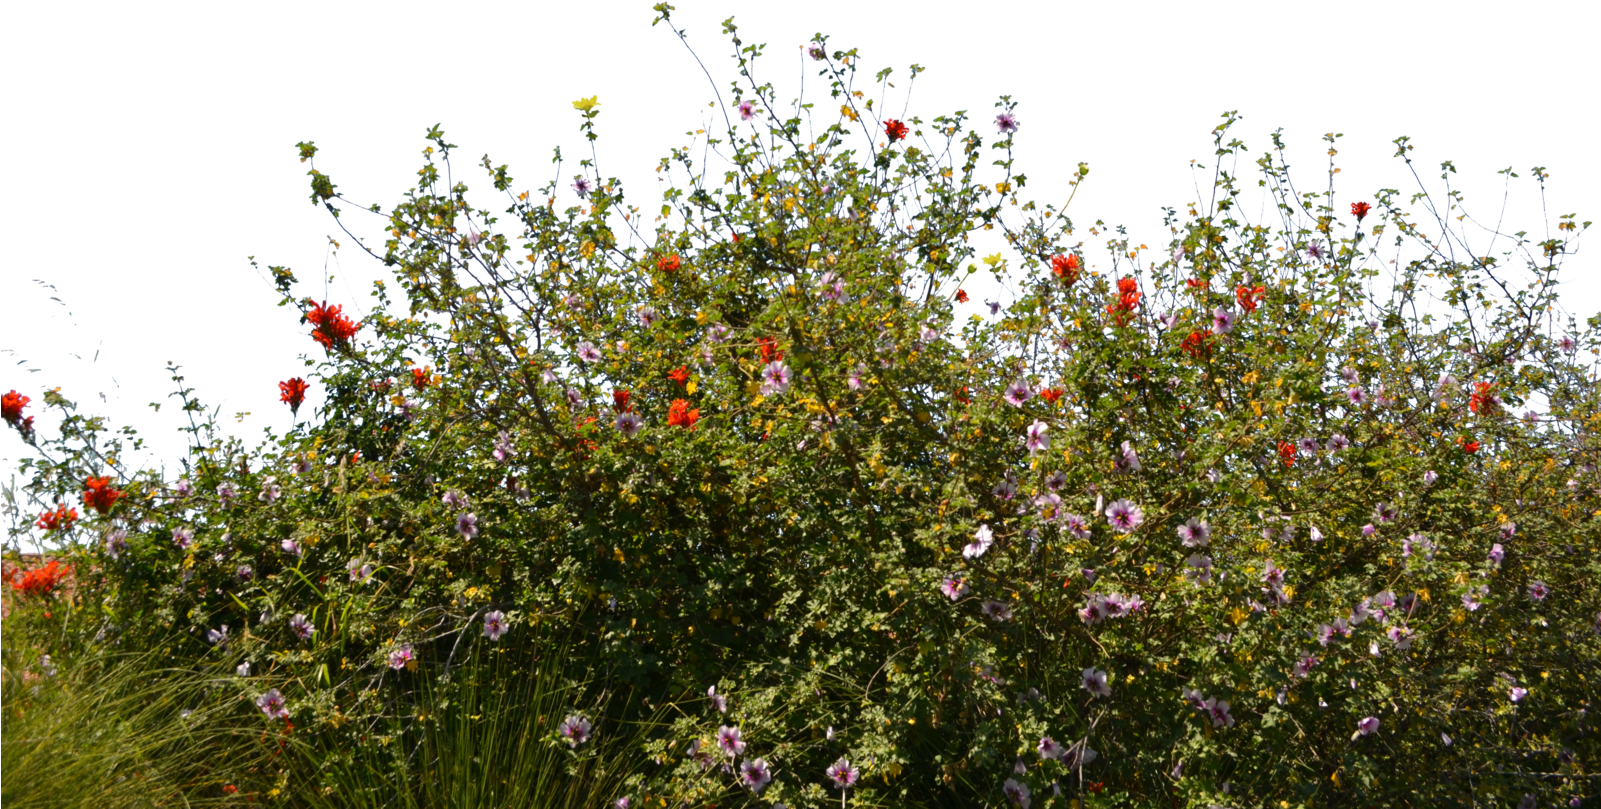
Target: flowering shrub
(1217,523)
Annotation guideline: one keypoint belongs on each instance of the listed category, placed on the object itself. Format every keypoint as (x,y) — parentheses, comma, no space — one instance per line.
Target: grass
(110,730)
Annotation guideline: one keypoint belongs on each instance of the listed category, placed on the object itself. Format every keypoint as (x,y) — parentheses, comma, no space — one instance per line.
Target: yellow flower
(586,104)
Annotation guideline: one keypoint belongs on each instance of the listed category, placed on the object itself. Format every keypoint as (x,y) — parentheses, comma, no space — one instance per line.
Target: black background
(170,160)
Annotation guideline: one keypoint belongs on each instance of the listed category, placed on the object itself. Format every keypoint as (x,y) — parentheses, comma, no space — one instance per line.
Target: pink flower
(983,538)
(775,378)
(730,742)
(575,730)
(756,774)
(1195,533)
(400,657)
(1017,793)
(272,704)
(997,611)
(1038,441)
(1222,321)
(953,588)
(1367,727)
(1095,682)
(747,110)
(842,774)
(1017,393)
(1050,750)
(1218,710)
(1124,516)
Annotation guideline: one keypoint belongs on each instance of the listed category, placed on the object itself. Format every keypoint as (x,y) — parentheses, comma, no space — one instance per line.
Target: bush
(1254,518)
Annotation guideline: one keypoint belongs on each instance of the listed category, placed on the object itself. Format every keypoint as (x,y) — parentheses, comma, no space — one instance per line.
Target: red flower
(421,378)
(1287,453)
(679,414)
(766,345)
(1065,267)
(332,328)
(229,789)
(41,581)
(961,296)
(960,395)
(99,495)
(1249,297)
(1051,394)
(1470,447)
(11,405)
(895,130)
(1360,210)
(1195,283)
(1195,345)
(1128,299)
(679,375)
(1482,398)
(381,386)
(59,520)
(292,393)
(669,263)
(619,400)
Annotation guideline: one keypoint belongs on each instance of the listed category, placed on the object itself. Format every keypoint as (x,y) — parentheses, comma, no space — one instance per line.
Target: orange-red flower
(1195,345)
(961,296)
(1360,210)
(1051,394)
(1287,453)
(1470,447)
(41,581)
(11,405)
(679,375)
(99,495)
(1065,267)
(619,399)
(292,393)
(421,378)
(1195,283)
(59,520)
(669,263)
(960,395)
(766,345)
(332,329)
(1128,299)
(679,414)
(895,130)
(1249,297)
(1482,399)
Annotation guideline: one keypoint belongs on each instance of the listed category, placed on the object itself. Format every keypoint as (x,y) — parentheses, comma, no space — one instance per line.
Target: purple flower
(1077,756)
(182,489)
(1568,344)
(1200,568)
(1366,727)
(589,352)
(225,493)
(1095,682)
(1124,516)
(467,525)
(1337,443)
(775,378)
(834,290)
(218,637)
(1517,694)
(1316,534)
(1194,698)
(183,537)
(503,448)
(1369,530)
(996,611)
(729,741)
(575,730)
(1017,393)
(1538,591)
(953,588)
(1496,554)
(581,185)
(1049,749)
(1056,480)
(494,624)
(747,110)
(270,491)
(359,571)
(1222,321)
(1385,512)
(302,628)
(1314,250)
(857,381)
(272,704)
(1303,667)
(756,774)
(647,316)
(1218,710)
(1195,533)
(815,50)
(983,538)
(1356,395)
(1129,461)
(1076,525)
(1007,488)
(719,701)
(245,573)
(842,774)
(455,500)
(116,543)
(1006,123)
(1310,446)
(1016,792)
(401,656)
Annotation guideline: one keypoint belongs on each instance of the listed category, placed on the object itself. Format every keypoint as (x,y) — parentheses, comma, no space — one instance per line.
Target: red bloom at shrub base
(895,130)
(59,520)
(11,405)
(679,414)
(99,495)
(41,581)
(330,324)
